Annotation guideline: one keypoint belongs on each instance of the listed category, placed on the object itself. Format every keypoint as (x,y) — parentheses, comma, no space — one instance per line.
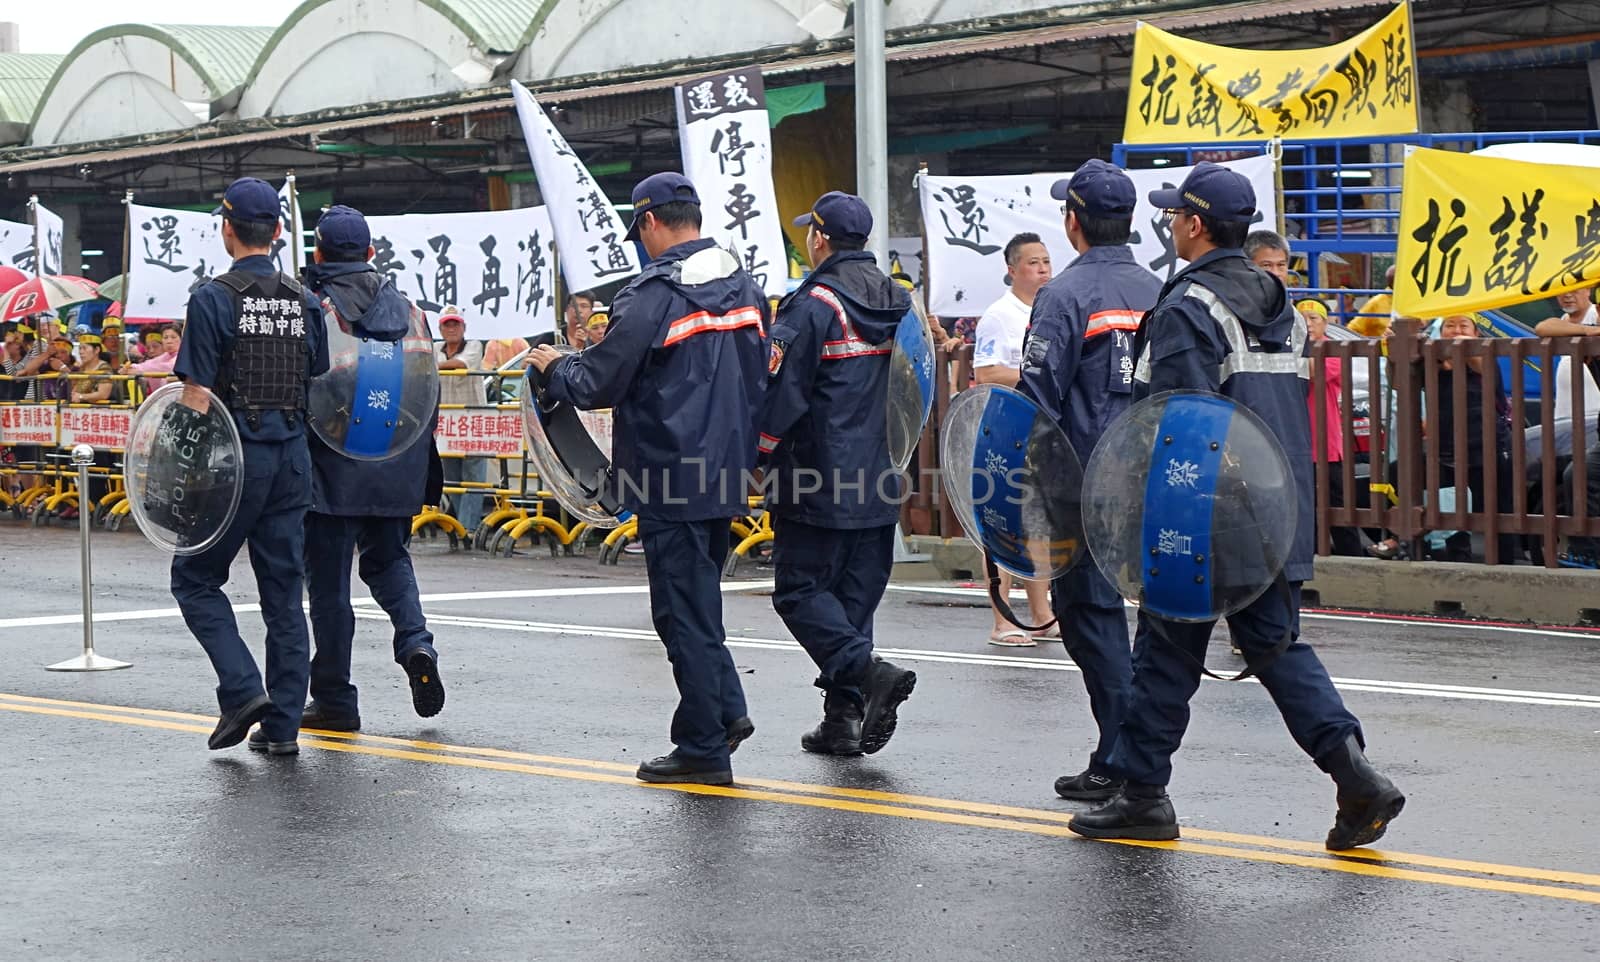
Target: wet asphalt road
(510,827)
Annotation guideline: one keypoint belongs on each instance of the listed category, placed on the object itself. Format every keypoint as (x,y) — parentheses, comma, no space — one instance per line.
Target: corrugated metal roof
(496,25)
(225,54)
(23,78)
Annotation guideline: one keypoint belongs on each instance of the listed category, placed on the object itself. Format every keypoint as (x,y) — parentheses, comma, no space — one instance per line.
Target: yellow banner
(1186,92)
(1481,232)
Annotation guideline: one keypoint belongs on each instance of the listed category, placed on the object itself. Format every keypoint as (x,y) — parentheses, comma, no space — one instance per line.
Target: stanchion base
(89,661)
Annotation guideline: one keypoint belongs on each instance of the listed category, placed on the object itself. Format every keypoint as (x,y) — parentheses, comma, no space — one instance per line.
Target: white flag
(589,232)
(494,265)
(289,249)
(968,221)
(727,153)
(170,253)
(48,232)
(16,246)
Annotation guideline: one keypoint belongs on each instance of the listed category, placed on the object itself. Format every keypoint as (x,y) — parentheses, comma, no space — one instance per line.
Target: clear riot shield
(911,385)
(571,450)
(184,471)
(377,397)
(1189,506)
(1014,482)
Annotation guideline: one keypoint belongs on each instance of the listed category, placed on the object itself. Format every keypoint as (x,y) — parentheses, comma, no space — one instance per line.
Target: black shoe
(258,743)
(839,732)
(738,731)
(1368,801)
(234,725)
(1149,818)
(427,691)
(1087,786)
(886,686)
(675,769)
(316,716)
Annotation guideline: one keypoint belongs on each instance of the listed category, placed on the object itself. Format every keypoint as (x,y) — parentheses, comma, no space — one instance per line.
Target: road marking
(860,801)
(1033,663)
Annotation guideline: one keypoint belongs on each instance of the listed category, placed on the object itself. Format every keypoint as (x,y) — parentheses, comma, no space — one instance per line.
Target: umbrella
(49,293)
(10,277)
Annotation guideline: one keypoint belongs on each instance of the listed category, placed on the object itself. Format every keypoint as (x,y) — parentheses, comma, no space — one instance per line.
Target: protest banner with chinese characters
(480,433)
(172,252)
(727,153)
(968,221)
(16,246)
(494,265)
(103,428)
(1482,232)
(28,424)
(49,230)
(1187,92)
(589,232)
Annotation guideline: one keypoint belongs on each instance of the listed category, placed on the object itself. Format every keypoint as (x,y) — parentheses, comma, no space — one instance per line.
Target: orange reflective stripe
(768,443)
(849,345)
(705,321)
(1114,320)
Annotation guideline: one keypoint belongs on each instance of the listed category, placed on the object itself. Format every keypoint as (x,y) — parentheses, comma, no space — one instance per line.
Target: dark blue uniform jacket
(824,427)
(1225,326)
(682,367)
(1077,361)
(393,488)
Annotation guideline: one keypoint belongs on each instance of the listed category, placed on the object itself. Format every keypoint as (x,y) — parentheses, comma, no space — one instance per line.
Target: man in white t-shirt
(997,359)
(1578,319)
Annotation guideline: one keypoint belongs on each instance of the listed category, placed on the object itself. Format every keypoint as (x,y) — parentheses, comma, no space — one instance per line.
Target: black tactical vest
(270,360)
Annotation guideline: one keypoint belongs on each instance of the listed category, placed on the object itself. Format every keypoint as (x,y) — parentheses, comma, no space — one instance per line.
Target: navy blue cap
(251,201)
(664,188)
(838,214)
(1213,190)
(1098,189)
(343,230)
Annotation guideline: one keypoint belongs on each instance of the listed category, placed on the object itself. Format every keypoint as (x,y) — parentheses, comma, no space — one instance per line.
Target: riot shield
(571,450)
(1189,506)
(377,397)
(1014,482)
(184,471)
(911,385)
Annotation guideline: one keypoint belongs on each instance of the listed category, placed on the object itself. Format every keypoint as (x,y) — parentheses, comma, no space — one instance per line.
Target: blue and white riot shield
(911,385)
(1189,506)
(377,397)
(571,451)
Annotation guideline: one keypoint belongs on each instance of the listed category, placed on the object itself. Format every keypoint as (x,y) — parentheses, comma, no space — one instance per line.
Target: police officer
(683,366)
(1224,326)
(257,361)
(362,506)
(831,487)
(1077,364)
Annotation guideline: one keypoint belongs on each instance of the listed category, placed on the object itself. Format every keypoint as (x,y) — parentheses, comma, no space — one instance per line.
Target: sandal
(1012,638)
(1052,633)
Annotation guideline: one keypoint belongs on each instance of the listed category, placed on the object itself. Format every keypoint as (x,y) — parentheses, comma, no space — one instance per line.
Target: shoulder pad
(237,281)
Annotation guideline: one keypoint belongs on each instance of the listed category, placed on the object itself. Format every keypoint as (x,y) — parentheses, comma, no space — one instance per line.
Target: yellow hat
(1313,305)
(111,321)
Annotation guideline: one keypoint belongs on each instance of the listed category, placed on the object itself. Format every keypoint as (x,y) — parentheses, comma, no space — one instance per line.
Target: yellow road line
(1377,856)
(11,703)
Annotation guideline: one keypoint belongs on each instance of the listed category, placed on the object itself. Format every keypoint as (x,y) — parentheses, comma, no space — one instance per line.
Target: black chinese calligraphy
(736,93)
(969,233)
(1278,103)
(491,292)
(1159,105)
(1579,266)
(596,213)
(1205,109)
(754,264)
(608,258)
(730,147)
(1398,79)
(1165,264)
(384,261)
(1319,101)
(530,275)
(1430,274)
(1240,90)
(741,209)
(168,246)
(1360,73)
(1512,265)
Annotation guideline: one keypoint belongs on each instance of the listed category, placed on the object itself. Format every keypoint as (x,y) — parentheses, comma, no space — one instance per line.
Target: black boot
(1367,800)
(884,688)
(1141,812)
(839,732)
(1088,786)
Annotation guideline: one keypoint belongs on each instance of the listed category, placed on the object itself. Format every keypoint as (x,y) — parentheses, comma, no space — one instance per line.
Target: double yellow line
(1402,866)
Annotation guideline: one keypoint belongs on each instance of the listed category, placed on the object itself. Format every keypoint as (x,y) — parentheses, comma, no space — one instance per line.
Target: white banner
(727,153)
(494,265)
(172,252)
(48,232)
(288,249)
(104,428)
(588,230)
(969,220)
(28,424)
(479,433)
(16,245)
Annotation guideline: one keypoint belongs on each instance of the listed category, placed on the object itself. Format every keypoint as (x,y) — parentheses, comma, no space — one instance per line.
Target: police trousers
(1094,627)
(384,564)
(1164,681)
(683,560)
(828,583)
(271,521)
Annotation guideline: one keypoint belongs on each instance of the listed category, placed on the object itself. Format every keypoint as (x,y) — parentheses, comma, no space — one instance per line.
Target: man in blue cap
(824,438)
(682,366)
(255,338)
(1224,326)
(363,506)
(1077,364)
